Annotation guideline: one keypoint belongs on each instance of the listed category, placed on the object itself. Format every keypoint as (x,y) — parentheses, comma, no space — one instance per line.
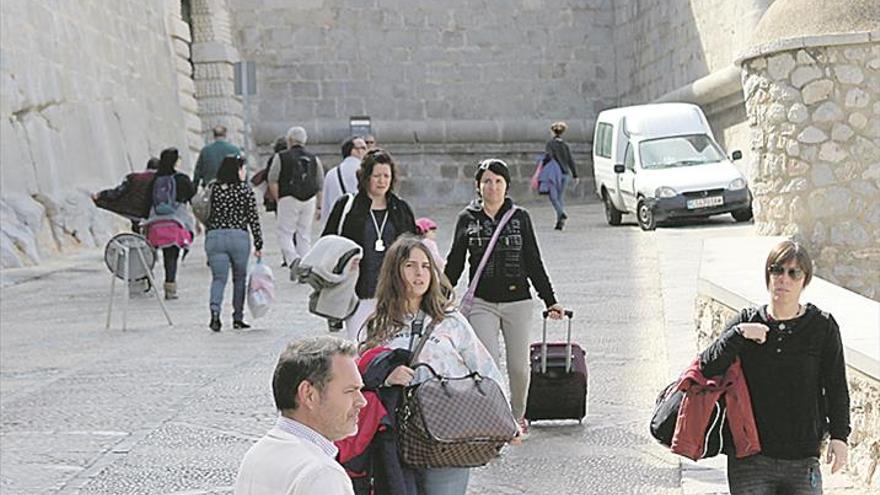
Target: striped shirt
(304,432)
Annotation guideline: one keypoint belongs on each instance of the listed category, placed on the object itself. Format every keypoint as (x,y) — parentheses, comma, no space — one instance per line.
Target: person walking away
(342,179)
(427,230)
(227,243)
(170,225)
(792,359)
(410,286)
(557,150)
(376,217)
(212,156)
(131,198)
(317,389)
(502,299)
(260,180)
(370,141)
(295,180)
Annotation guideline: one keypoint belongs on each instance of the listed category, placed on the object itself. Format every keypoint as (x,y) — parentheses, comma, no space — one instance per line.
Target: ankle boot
(240,324)
(170,290)
(215,321)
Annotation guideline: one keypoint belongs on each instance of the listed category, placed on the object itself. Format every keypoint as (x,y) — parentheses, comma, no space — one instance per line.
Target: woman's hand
(402,375)
(556,311)
(754,331)
(837,455)
(258,253)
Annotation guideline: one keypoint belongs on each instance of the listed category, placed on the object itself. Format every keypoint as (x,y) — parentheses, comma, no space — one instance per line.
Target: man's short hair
(347,146)
(306,360)
(219,131)
(296,135)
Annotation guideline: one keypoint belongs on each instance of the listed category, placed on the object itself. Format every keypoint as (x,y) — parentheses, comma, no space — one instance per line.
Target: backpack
(303,180)
(165,195)
(201,203)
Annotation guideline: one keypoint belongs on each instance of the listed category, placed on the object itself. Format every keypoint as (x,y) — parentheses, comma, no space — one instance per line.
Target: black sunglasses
(485,164)
(777,270)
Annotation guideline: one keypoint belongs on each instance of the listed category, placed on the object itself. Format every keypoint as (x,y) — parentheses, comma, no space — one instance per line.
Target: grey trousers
(514,320)
(226,247)
(760,475)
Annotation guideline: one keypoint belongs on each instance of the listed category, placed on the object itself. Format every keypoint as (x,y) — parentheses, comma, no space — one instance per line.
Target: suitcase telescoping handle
(570,314)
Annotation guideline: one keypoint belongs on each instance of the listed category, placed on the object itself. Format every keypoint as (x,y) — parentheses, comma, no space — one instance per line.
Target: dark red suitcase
(558,386)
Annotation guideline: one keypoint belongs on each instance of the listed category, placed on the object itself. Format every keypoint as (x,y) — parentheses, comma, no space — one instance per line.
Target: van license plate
(693,204)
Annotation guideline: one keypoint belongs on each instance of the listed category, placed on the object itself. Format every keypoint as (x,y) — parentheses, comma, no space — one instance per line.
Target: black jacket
(401,217)
(796,379)
(559,151)
(514,262)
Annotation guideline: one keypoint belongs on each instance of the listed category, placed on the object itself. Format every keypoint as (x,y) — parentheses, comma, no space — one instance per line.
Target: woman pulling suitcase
(502,297)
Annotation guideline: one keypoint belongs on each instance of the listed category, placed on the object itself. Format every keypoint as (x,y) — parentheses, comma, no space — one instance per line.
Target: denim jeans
(225,247)
(557,197)
(442,481)
(761,475)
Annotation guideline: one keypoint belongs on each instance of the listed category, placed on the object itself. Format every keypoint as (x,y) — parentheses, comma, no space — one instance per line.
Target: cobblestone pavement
(159,409)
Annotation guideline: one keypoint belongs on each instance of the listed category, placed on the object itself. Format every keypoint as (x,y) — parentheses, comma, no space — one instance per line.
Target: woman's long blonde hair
(391,311)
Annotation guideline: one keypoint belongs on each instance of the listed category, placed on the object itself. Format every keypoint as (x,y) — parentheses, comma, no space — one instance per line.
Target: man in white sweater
(342,179)
(317,389)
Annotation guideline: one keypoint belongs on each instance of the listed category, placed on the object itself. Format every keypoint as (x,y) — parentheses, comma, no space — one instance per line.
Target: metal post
(125,272)
(112,291)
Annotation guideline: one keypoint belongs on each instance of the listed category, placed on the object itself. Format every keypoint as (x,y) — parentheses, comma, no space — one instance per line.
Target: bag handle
(417,330)
(570,314)
(472,288)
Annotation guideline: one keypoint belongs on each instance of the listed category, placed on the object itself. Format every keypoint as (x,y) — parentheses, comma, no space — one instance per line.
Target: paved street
(159,409)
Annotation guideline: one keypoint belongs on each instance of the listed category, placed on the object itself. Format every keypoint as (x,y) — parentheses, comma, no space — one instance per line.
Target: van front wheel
(612,214)
(645,216)
(743,215)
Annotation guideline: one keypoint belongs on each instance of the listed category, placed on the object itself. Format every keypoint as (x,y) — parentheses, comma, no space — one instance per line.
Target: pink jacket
(701,394)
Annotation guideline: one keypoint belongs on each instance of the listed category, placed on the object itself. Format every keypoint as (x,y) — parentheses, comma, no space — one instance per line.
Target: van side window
(629,159)
(603,138)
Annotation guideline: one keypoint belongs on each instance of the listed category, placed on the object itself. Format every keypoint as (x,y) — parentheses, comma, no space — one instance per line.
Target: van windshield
(679,151)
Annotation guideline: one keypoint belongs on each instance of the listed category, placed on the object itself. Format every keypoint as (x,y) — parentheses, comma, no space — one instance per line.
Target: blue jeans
(225,247)
(557,197)
(442,481)
(761,475)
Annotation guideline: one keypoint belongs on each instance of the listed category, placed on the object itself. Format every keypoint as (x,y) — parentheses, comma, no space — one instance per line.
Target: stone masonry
(864,441)
(815,119)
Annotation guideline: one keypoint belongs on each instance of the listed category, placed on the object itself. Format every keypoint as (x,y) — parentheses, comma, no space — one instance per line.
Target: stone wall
(864,441)
(815,120)
(79,109)
(467,74)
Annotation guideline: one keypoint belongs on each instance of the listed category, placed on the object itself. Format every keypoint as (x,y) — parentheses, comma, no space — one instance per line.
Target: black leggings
(170,255)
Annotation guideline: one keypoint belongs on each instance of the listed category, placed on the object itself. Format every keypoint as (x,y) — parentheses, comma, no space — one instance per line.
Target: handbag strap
(341,183)
(417,324)
(472,288)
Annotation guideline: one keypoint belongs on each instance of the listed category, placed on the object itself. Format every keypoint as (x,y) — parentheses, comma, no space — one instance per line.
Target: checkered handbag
(453,422)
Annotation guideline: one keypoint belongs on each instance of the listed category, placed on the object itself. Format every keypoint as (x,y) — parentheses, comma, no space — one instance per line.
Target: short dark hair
(308,360)
(167,160)
(280,144)
(347,146)
(784,252)
(495,166)
(228,171)
(219,131)
(153,163)
(371,159)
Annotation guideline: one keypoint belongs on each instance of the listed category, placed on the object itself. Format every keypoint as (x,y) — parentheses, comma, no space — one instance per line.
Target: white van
(661,162)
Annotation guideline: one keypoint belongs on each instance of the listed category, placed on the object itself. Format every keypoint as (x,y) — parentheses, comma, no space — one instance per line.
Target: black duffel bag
(665,416)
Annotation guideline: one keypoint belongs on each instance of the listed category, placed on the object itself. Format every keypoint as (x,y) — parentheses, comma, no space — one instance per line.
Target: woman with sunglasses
(227,243)
(792,359)
(503,300)
(375,218)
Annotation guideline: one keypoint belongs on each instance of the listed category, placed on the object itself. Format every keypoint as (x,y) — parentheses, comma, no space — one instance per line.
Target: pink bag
(467,301)
(534,183)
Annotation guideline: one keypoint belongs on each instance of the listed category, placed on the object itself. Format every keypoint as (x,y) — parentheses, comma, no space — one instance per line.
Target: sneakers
(523,428)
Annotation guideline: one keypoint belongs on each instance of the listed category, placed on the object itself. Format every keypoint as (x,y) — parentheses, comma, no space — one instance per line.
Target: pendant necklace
(380,244)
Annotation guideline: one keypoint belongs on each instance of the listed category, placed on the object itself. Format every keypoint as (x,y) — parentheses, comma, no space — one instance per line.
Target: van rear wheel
(612,214)
(645,216)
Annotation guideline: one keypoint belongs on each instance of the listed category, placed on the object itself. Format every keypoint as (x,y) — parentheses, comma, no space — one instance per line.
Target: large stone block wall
(79,108)
(429,72)
(815,120)
(864,441)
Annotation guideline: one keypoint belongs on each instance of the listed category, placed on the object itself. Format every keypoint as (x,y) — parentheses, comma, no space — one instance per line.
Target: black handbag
(665,416)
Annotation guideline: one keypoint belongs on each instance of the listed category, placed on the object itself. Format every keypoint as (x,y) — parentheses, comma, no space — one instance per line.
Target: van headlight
(665,192)
(737,184)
